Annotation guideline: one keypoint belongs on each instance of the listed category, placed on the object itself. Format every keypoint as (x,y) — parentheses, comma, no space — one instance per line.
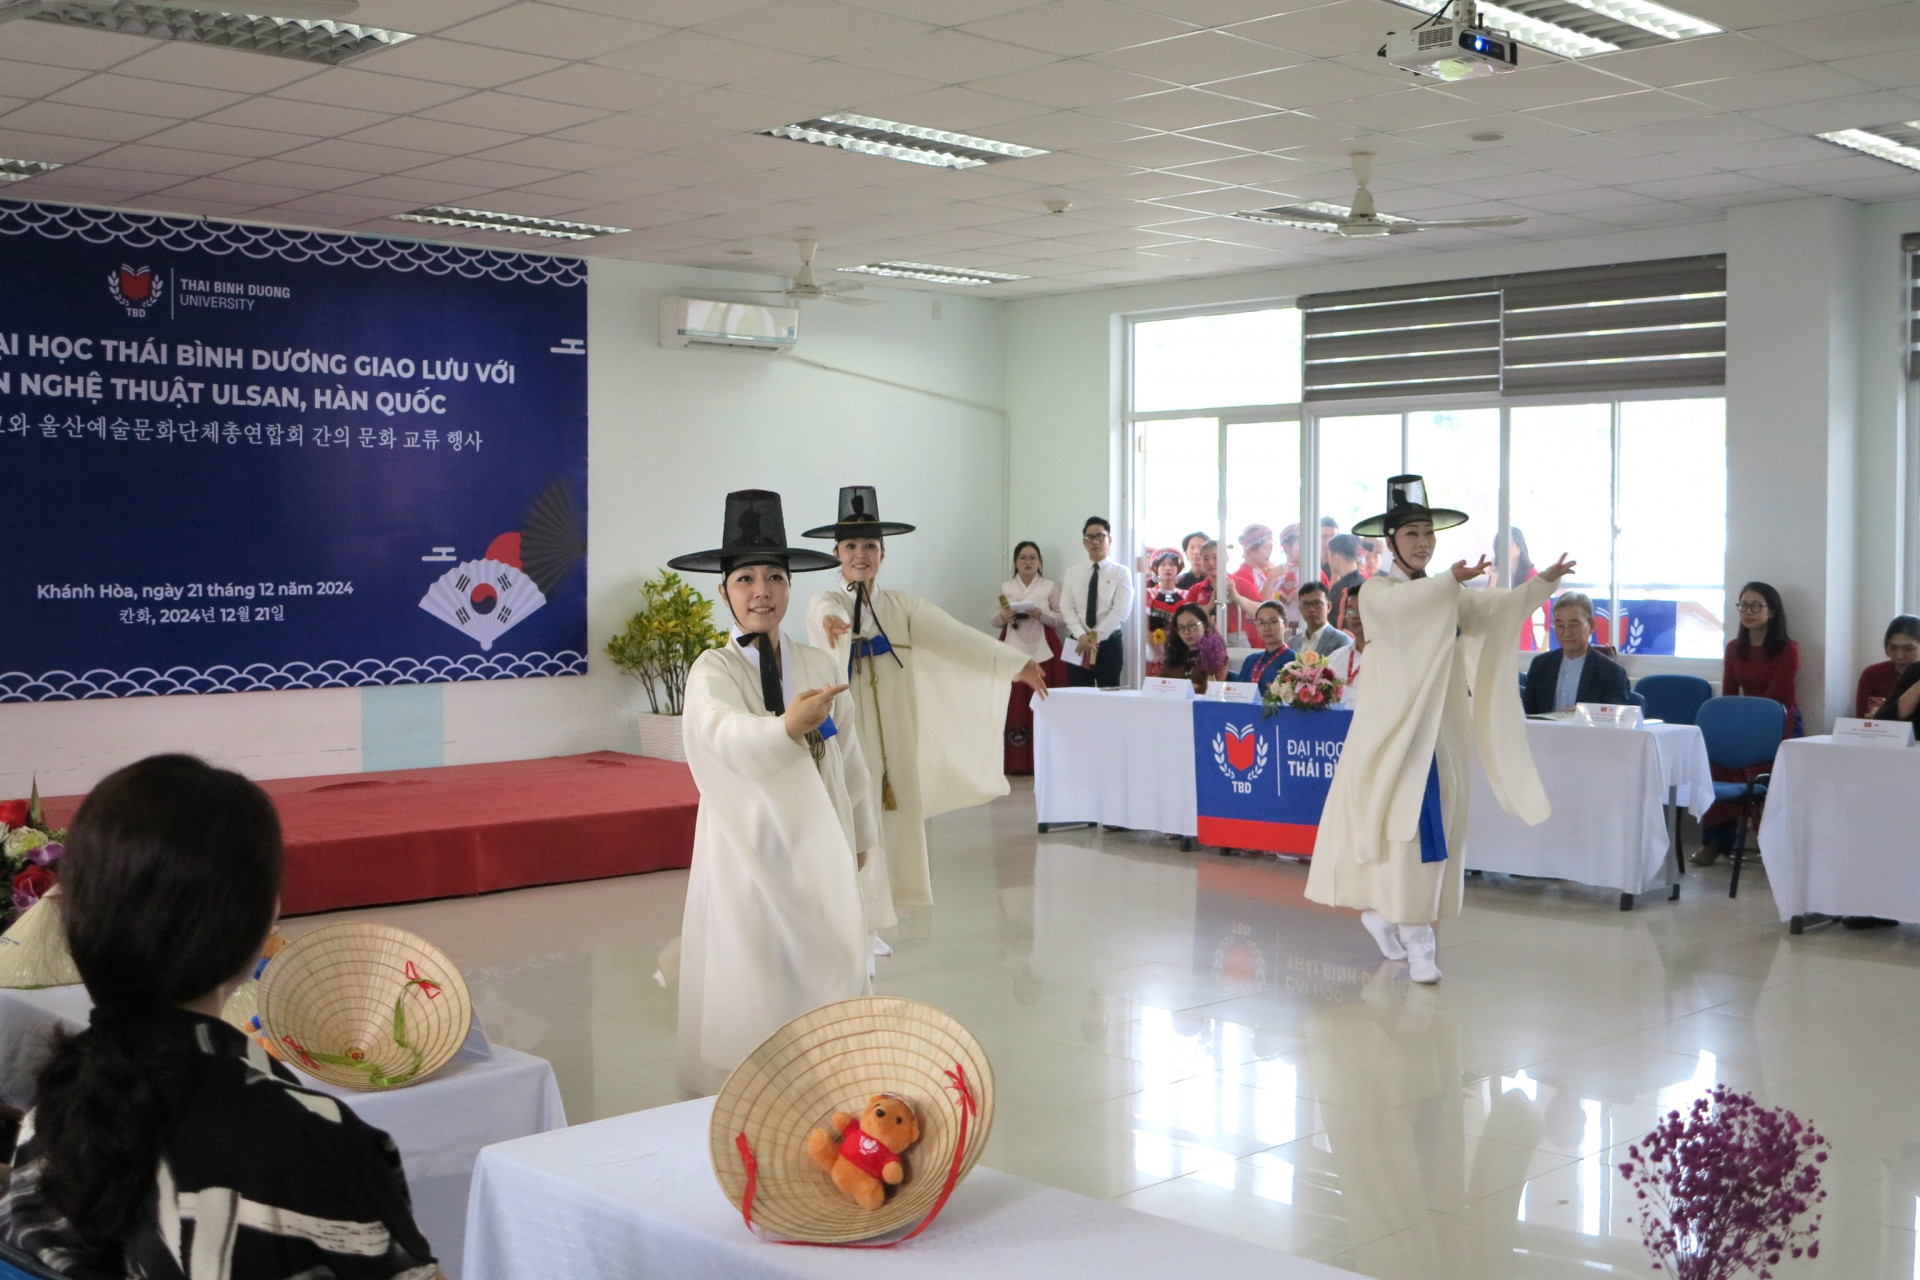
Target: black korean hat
(755,533)
(859,517)
(1407,502)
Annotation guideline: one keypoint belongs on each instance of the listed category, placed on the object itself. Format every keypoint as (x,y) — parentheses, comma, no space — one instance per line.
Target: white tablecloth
(1684,766)
(1114,756)
(1609,791)
(1838,834)
(439,1124)
(635,1196)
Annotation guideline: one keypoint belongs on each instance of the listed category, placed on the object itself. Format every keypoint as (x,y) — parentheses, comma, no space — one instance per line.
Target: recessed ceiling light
(928,271)
(913,143)
(1486,137)
(1873,144)
(1313,215)
(308,39)
(21,170)
(1647,16)
(481,220)
(1537,32)
(741,253)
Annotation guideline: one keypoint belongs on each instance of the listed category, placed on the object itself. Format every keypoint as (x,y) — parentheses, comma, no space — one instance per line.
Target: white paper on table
(1070,654)
(1239,691)
(1897,734)
(1167,687)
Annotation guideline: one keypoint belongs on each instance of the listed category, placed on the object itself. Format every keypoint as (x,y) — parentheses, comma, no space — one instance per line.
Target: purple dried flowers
(1211,653)
(1723,1186)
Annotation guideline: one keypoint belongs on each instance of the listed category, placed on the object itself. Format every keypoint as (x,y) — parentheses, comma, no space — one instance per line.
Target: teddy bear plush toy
(862,1153)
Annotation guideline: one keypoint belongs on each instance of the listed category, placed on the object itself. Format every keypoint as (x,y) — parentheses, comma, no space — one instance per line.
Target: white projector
(1452,49)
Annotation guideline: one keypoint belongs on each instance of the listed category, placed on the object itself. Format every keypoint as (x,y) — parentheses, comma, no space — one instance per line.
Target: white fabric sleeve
(1122,605)
(747,739)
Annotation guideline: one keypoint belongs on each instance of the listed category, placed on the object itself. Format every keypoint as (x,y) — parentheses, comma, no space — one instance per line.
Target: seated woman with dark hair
(1903,701)
(1261,668)
(1191,627)
(1877,682)
(162,1142)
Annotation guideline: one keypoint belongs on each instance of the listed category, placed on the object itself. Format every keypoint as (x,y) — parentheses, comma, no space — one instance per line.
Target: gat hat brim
(754,532)
(859,517)
(1407,502)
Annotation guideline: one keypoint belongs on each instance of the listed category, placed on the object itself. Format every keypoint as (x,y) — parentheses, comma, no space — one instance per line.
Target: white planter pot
(660,737)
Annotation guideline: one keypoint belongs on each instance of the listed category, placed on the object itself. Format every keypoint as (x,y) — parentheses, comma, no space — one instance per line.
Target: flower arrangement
(32,851)
(1305,684)
(1723,1186)
(661,641)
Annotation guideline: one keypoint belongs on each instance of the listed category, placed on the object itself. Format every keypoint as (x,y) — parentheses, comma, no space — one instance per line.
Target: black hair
(168,890)
(1188,540)
(1344,544)
(1306,587)
(1523,566)
(1091,521)
(1163,557)
(1776,621)
(1269,604)
(1178,654)
(1018,547)
(1329,522)
(1904,625)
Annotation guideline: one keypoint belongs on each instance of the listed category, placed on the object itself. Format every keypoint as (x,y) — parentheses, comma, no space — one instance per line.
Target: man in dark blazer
(1576,671)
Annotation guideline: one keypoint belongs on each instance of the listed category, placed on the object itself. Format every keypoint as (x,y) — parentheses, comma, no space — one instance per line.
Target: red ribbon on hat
(957,1081)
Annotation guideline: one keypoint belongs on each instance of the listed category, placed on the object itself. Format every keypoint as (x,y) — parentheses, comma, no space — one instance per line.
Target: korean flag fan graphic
(485,598)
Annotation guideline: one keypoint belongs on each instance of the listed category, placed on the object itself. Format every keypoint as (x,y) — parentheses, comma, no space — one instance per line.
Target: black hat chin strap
(770,691)
(1393,544)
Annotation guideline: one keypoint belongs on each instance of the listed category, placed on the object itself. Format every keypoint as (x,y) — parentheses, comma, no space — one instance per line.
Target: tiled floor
(1185,1034)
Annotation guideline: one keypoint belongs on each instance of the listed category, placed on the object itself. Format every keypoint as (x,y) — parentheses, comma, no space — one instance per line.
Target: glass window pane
(1673,525)
(1263,487)
(1208,362)
(1458,451)
(1562,475)
(1356,456)
(1179,481)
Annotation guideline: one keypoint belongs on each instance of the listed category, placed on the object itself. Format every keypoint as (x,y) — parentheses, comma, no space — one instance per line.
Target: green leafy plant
(673,627)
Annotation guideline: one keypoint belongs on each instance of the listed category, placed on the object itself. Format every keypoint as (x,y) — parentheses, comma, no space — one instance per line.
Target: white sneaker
(1419,941)
(880,947)
(1383,934)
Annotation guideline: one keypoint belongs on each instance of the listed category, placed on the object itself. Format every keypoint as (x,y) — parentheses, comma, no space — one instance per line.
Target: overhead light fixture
(441,215)
(1537,32)
(1312,215)
(1877,145)
(321,40)
(1657,18)
(916,144)
(929,271)
(21,170)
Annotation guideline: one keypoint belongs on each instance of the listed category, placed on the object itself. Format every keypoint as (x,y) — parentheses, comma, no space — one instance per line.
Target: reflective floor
(1185,1034)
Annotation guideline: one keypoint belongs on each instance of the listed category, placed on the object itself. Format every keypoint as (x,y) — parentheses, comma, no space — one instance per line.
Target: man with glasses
(1095,600)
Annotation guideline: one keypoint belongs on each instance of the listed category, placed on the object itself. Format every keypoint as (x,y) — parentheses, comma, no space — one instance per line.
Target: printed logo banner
(1260,782)
(242,457)
(1646,626)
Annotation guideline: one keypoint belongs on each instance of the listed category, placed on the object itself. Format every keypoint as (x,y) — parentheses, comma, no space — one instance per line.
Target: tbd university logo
(1241,753)
(135,288)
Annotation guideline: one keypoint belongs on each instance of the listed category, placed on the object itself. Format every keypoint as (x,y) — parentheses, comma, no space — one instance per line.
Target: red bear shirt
(865,1153)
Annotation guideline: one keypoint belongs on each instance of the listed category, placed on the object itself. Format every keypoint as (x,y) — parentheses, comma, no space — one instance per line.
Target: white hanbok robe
(1427,646)
(1029,635)
(951,681)
(774,925)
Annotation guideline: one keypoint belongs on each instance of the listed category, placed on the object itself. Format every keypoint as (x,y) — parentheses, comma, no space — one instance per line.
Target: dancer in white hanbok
(932,694)
(774,925)
(1392,837)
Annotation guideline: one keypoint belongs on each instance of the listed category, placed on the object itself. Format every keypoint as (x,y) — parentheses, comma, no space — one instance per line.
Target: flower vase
(660,737)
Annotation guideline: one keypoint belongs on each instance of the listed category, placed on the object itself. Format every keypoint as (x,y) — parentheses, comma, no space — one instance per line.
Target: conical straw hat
(33,953)
(835,1059)
(364,1006)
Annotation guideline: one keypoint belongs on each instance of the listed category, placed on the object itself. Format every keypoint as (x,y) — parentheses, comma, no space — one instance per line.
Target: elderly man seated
(1576,671)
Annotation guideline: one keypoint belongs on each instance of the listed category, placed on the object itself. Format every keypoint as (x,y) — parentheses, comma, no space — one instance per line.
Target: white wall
(671,432)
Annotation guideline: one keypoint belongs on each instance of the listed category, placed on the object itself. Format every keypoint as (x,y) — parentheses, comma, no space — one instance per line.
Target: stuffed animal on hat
(862,1153)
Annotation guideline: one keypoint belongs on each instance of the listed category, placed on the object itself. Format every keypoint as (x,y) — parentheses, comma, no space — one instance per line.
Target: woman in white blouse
(1029,620)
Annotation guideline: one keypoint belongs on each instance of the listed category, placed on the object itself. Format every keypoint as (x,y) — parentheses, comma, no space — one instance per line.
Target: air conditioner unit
(730,326)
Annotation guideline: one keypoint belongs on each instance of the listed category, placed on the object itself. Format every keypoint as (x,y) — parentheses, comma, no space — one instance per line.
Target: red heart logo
(1240,749)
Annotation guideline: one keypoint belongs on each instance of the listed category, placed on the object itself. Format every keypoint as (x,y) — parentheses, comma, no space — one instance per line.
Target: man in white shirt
(1095,600)
(1316,635)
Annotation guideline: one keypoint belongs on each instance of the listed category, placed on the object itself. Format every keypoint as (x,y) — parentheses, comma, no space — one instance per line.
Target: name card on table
(1606,715)
(1167,687)
(1873,733)
(1237,691)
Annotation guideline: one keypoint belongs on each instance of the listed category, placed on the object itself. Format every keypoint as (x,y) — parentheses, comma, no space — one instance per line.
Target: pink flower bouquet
(1305,684)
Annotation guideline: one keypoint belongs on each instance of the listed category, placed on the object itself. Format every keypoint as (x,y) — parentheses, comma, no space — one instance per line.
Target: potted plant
(658,647)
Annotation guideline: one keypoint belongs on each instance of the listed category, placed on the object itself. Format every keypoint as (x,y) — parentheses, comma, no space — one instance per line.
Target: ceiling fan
(806,289)
(1361,218)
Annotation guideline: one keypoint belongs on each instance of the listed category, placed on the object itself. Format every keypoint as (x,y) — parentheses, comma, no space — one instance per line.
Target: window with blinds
(1624,327)
(1911,244)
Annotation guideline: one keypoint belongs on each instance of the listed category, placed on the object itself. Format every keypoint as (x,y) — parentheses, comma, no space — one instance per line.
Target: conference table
(486,1094)
(1838,833)
(635,1195)
(1123,758)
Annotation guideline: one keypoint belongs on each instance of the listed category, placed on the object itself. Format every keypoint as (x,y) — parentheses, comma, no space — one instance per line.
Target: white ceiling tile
(1558,153)
(598,188)
(1309,84)
(223,189)
(150,159)
(1270,173)
(1278,132)
(151,97)
(1161,151)
(731,110)
(1066,130)
(1881,107)
(1406,109)
(640,133)
(1386,149)
(1761,155)
(1545,86)
(822,28)
(491,174)
(1843,167)
(1691,61)
(1895,186)
(698,58)
(411,192)
(952,107)
(1710,131)
(1848,35)
(1803,83)
(1655,213)
(1073,28)
(1704,187)
(1179,109)
(1065,167)
(123,181)
(285,173)
(946,12)
(1511,127)
(81,122)
(512,112)
(1519,184)
(314,119)
(1452,170)
(363,157)
(672,171)
(552,31)
(63,46)
(1200,57)
(331,207)
(703,201)
(971,184)
(423,15)
(1898,70)
(604,88)
(30,80)
(432,135)
(472,65)
(1148,185)
(950,57)
(223,139)
(370,91)
(779,184)
(1583,200)
(1633,169)
(829,85)
(554,153)
(1624,111)
(1070,83)
(1329,30)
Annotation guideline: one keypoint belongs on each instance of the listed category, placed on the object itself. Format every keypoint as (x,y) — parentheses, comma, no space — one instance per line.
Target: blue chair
(1523,684)
(1741,733)
(17,1264)
(1675,699)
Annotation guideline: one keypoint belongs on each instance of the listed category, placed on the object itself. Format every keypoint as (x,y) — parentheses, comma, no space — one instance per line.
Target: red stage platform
(365,839)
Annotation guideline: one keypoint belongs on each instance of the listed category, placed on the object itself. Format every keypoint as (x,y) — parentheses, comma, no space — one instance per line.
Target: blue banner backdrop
(1261,783)
(1646,626)
(242,457)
